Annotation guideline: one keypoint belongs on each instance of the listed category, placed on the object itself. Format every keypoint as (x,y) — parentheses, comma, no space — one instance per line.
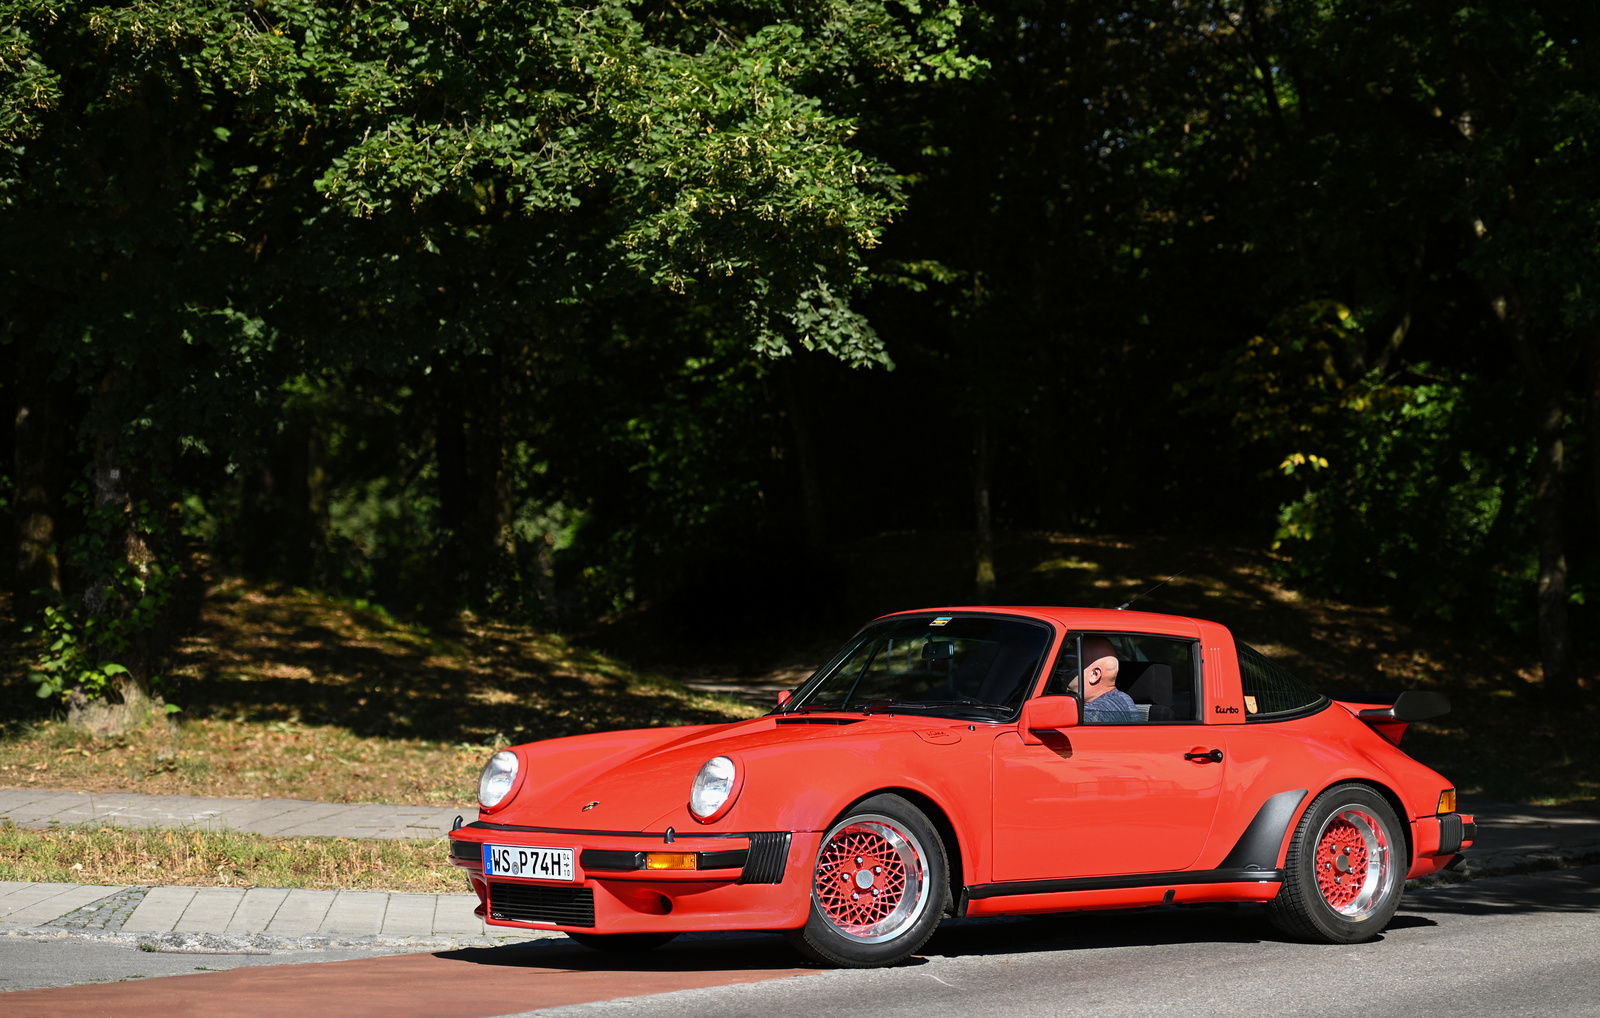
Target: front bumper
(752,880)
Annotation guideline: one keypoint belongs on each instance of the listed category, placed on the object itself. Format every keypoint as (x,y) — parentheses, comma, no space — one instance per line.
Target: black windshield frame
(805,699)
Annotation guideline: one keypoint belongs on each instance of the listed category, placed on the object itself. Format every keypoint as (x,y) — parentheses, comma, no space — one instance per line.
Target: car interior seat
(1148,682)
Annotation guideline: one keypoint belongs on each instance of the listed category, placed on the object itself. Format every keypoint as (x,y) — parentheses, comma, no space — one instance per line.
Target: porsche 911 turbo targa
(971,762)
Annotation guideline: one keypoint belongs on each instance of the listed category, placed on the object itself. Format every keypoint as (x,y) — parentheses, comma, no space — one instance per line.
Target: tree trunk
(1594,424)
(981,474)
(100,599)
(317,499)
(490,536)
(38,449)
(1547,381)
(1554,643)
(455,487)
(797,410)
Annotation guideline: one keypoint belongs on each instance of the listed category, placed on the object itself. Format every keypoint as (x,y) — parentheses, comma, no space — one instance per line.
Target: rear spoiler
(1390,713)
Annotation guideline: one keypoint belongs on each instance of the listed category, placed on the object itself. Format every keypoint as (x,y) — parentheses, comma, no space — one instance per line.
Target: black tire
(1345,870)
(622,943)
(885,849)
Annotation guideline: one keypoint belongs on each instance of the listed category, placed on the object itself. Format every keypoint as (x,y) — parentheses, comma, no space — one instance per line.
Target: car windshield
(972,667)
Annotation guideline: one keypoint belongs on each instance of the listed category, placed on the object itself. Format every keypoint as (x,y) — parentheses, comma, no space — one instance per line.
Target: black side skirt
(1252,859)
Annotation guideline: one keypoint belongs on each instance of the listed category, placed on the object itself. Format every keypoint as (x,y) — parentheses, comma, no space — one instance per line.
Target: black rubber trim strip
(1469,830)
(1315,707)
(1257,848)
(802,719)
(1012,888)
(485,825)
(1450,834)
(732,859)
(769,859)
(610,859)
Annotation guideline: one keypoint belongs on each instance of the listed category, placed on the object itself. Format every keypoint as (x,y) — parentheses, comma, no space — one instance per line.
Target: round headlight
(712,788)
(499,774)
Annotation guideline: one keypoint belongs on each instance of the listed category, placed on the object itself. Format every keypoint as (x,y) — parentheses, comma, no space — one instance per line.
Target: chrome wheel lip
(1375,881)
(914,901)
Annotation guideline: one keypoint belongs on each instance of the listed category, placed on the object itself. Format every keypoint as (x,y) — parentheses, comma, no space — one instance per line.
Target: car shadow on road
(1559,891)
(692,953)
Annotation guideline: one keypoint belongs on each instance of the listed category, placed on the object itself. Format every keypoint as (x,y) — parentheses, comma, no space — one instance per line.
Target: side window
(1271,689)
(1131,679)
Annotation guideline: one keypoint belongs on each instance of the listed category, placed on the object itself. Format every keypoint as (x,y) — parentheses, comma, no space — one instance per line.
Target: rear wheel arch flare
(941,822)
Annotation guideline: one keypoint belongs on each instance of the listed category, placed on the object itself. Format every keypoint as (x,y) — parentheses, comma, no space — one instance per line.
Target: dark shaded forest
(570,315)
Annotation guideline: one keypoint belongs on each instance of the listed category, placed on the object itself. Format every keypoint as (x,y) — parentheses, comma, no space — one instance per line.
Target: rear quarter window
(1271,691)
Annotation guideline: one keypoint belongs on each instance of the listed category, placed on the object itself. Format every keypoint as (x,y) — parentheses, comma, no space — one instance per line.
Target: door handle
(1215,756)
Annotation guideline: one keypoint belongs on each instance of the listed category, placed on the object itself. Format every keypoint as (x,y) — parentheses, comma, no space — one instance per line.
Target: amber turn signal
(671,861)
(1447,801)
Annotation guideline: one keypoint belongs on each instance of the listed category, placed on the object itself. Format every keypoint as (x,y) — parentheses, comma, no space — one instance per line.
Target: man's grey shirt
(1114,705)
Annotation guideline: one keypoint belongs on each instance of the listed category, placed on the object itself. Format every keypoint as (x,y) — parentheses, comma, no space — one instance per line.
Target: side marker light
(1447,801)
(671,861)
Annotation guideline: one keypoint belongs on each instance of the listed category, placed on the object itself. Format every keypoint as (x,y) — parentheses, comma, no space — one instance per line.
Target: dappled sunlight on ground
(291,694)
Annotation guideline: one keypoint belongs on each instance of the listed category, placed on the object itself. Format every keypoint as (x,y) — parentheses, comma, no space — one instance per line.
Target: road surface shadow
(690,953)
(1576,890)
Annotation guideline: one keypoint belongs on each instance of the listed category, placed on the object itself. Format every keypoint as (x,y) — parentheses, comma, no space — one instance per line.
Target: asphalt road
(1524,945)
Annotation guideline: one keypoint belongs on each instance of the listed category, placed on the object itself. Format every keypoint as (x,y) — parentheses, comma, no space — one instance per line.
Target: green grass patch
(115,855)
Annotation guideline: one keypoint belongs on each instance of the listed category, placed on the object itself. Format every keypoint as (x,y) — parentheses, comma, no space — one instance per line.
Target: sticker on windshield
(941,620)
(1250,704)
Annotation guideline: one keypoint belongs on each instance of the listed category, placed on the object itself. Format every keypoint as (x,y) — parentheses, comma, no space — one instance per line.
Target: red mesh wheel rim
(871,879)
(1352,862)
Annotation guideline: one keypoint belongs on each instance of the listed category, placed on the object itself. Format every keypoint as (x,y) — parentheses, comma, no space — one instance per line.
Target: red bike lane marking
(463,984)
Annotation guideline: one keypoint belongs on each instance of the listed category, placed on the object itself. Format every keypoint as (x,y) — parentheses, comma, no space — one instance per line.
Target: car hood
(639,780)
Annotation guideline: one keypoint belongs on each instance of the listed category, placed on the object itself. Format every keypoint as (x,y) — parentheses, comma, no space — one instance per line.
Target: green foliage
(122,605)
(1419,505)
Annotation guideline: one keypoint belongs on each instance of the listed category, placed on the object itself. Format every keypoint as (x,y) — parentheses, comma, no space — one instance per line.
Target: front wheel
(878,887)
(1345,869)
(622,943)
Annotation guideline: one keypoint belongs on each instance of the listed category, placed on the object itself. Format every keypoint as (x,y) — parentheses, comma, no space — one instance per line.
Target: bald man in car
(1102,700)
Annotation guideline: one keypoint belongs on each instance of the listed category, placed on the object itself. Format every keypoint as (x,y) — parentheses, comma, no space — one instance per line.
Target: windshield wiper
(985,708)
(861,705)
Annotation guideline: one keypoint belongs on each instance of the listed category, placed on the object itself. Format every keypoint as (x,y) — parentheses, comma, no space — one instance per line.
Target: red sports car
(975,761)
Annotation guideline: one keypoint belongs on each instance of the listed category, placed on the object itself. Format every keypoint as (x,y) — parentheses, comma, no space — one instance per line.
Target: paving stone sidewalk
(279,917)
(277,817)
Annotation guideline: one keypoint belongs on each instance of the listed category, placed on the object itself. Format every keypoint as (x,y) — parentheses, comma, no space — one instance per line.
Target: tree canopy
(557,310)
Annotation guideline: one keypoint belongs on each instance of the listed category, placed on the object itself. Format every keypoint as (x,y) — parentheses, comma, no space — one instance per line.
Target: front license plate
(522,861)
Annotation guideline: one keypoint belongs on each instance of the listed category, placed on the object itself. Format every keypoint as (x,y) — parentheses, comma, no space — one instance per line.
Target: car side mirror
(1047,713)
(784,696)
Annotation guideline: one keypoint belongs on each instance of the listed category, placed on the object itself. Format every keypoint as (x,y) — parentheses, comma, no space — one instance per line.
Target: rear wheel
(878,887)
(622,943)
(1345,869)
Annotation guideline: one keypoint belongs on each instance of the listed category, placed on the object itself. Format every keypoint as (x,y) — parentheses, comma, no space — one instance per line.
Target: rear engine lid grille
(534,903)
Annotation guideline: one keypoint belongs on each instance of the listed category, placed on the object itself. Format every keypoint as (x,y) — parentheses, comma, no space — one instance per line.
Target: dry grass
(111,855)
(286,693)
